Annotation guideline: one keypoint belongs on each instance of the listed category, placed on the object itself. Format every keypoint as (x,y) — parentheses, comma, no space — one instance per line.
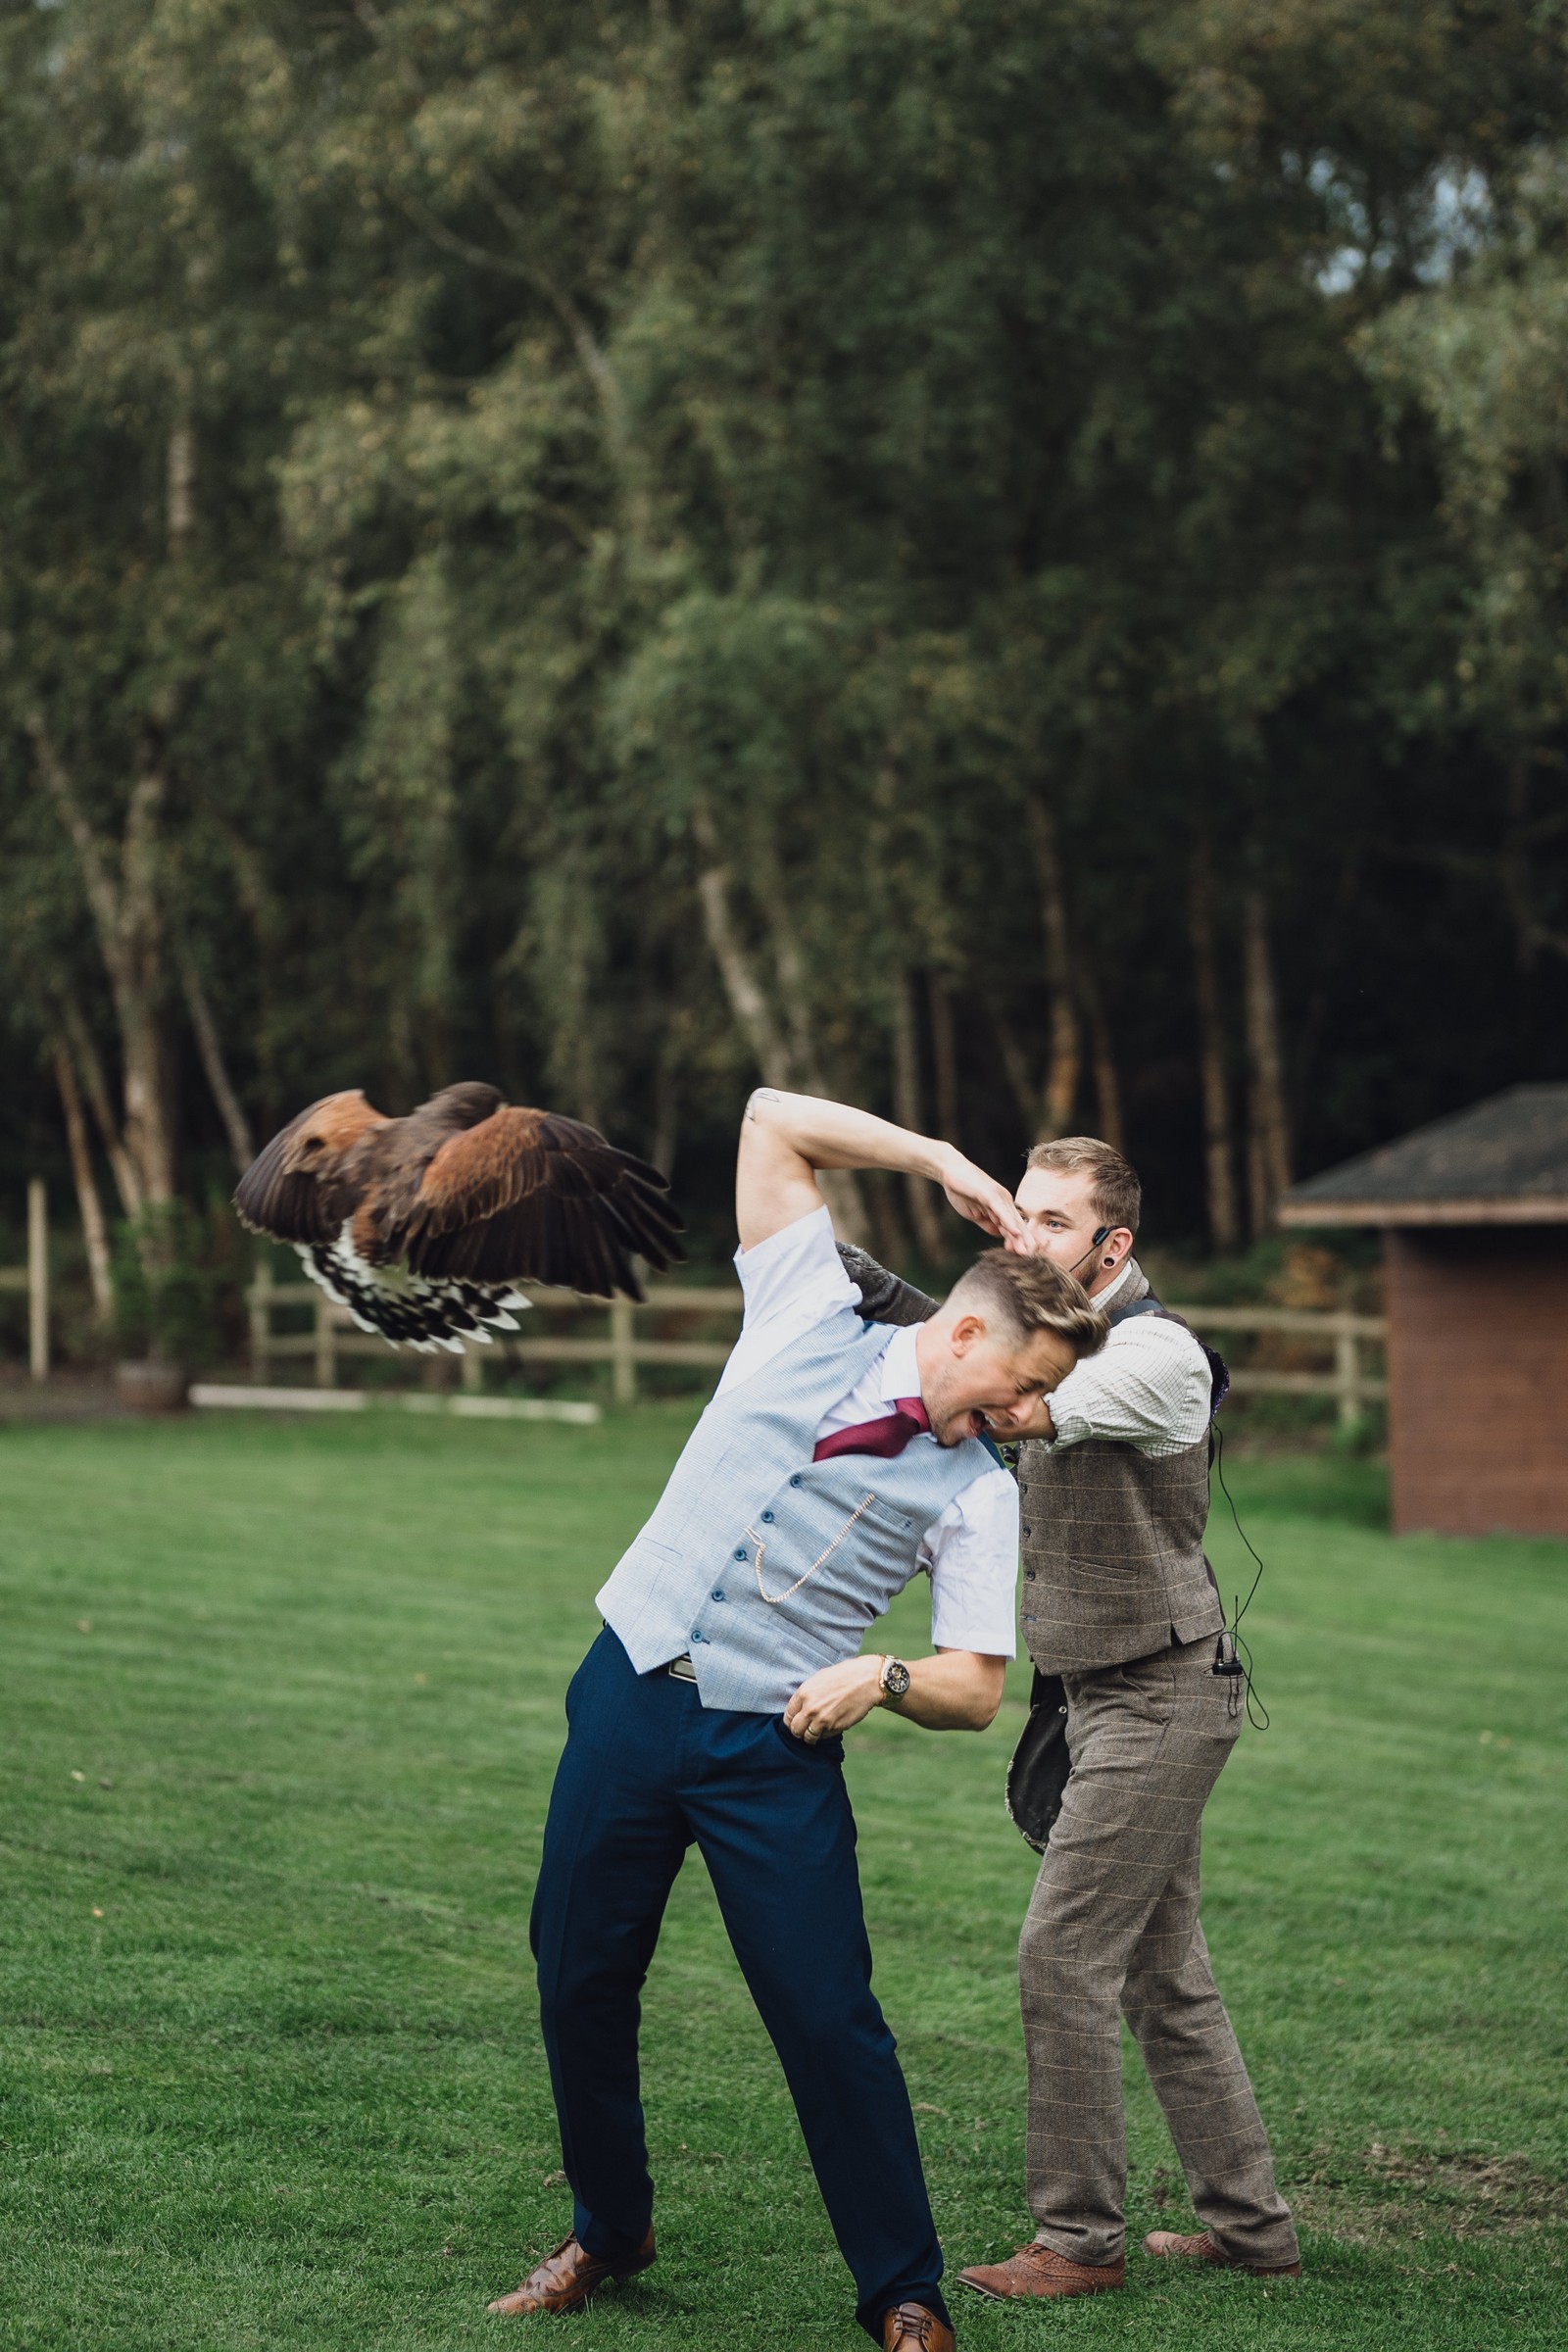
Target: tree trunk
(1219,1140)
(755,1018)
(1269,1134)
(127,919)
(753,1015)
(1020,1077)
(944,1053)
(1103,1062)
(1066,1040)
(94,1231)
(920,1196)
(91,1072)
(236,1126)
(181,512)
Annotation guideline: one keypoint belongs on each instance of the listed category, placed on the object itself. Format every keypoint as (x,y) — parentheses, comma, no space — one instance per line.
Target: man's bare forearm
(786,1138)
(954,1691)
(835,1135)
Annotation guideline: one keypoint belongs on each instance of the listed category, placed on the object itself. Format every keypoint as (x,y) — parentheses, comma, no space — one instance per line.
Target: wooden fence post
(38,1279)
(622,1363)
(473,1368)
(1347,1377)
(325,1344)
(260,1302)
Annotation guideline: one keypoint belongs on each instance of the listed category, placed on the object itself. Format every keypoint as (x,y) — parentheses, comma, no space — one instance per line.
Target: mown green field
(278,1711)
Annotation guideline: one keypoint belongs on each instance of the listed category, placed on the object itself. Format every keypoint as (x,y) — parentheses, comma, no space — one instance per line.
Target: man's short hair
(1029,1295)
(1115,1194)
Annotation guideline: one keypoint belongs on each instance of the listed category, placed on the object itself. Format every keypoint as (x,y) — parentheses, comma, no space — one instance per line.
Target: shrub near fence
(1338,1334)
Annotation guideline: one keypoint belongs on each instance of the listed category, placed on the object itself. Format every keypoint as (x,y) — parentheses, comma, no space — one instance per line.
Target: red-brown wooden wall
(1477,1379)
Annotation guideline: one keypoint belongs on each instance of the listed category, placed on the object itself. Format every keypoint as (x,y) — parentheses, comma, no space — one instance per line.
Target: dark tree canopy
(1006,562)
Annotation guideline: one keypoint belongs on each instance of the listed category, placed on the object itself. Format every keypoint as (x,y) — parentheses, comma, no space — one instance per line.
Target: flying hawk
(422,1227)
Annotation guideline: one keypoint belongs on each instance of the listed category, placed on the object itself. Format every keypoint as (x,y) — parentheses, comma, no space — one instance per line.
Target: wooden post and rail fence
(33,1276)
(333,1338)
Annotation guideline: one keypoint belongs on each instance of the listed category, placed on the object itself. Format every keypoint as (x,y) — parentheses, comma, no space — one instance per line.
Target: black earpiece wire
(1240,1662)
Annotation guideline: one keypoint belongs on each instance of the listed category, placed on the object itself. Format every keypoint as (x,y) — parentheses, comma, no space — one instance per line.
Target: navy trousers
(647,1771)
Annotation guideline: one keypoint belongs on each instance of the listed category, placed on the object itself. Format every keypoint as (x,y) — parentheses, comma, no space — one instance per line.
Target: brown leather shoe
(1171,2248)
(1036,2271)
(911,2327)
(566,2278)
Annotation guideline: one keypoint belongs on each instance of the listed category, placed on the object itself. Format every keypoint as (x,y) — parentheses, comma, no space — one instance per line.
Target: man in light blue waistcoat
(836,1460)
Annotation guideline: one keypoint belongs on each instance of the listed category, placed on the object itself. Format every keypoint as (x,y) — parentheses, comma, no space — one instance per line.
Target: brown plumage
(422,1226)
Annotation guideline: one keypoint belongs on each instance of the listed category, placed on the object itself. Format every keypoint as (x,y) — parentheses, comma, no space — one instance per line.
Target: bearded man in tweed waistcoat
(1120,1604)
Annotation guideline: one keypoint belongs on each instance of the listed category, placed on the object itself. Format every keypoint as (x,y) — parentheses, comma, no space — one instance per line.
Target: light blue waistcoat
(747,1511)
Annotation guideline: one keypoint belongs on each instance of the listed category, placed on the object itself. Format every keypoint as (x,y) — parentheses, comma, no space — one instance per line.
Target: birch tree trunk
(918,1194)
(94,1230)
(128,920)
(90,1070)
(1067,1037)
(757,1019)
(236,1126)
(1103,1062)
(1268,1155)
(1219,1139)
(945,1055)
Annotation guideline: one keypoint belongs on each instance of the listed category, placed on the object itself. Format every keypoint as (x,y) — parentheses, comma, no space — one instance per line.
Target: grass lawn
(278,1711)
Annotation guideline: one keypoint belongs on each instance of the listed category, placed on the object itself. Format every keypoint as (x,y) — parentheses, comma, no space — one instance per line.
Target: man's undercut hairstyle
(1115,1196)
(1019,1296)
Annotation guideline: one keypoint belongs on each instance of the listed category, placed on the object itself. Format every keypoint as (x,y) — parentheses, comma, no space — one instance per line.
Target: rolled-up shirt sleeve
(972,1554)
(1149,1387)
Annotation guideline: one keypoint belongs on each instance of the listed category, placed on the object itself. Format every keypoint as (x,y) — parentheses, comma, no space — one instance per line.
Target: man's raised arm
(786,1138)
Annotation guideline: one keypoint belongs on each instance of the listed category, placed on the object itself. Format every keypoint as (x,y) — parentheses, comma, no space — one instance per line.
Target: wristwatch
(895,1678)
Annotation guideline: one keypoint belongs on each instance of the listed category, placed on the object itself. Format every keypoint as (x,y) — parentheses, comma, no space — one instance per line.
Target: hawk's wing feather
(525,1195)
(299,1204)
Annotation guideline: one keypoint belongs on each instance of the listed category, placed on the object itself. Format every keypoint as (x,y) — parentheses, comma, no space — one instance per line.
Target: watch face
(895,1678)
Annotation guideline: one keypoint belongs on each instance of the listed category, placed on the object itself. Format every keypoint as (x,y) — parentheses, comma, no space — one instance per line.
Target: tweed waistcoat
(1113,1544)
(746,1513)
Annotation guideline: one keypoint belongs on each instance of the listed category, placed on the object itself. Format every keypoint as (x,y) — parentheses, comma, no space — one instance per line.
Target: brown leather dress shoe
(566,2278)
(1036,2271)
(1171,2248)
(911,2327)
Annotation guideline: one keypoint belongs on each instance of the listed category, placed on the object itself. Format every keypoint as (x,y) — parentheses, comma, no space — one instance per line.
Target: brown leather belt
(682,1668)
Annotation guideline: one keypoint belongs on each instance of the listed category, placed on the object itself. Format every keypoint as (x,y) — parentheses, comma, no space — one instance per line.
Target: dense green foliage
(280,1707)
(612,546)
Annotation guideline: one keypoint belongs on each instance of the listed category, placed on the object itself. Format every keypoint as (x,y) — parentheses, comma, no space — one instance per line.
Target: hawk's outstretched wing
(527,1196)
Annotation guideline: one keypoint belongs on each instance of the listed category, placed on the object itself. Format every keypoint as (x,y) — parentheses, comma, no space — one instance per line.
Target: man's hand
(955,1691)
(1039,1425)
(985,1203)
(829,1701)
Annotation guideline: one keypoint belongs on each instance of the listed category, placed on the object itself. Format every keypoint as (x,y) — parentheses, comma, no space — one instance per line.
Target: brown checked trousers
(1112,1929)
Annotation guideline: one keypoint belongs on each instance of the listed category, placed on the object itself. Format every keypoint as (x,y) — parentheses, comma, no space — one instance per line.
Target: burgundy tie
(886,1436)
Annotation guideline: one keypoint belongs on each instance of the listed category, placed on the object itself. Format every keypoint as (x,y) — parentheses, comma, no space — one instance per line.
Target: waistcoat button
(768,1518)
(739,1554)
(717,1592)
(796,1478)
(1028,1530)
(1028,1575)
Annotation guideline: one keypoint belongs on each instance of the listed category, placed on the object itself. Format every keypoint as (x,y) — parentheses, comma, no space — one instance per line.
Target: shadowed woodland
(1007,563)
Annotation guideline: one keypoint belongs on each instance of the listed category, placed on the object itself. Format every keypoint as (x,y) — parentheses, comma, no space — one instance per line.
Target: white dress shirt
(1147,1387)
(794,1280)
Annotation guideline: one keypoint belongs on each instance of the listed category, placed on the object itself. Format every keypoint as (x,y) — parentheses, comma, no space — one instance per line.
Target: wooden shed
(1474,1213)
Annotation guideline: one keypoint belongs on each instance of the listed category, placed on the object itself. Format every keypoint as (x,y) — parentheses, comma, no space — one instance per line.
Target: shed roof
(1503,1161)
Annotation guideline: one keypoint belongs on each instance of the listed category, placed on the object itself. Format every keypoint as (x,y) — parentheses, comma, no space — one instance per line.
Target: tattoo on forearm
(760,1094)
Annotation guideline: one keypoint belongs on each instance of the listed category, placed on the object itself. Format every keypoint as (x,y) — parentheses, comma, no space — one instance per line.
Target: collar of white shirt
(901,1365)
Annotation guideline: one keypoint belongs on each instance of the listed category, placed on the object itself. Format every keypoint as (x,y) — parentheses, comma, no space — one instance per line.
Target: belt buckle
(681,1669)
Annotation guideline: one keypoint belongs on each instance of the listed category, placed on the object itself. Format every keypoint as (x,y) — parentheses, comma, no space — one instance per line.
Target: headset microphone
(1102,1233)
